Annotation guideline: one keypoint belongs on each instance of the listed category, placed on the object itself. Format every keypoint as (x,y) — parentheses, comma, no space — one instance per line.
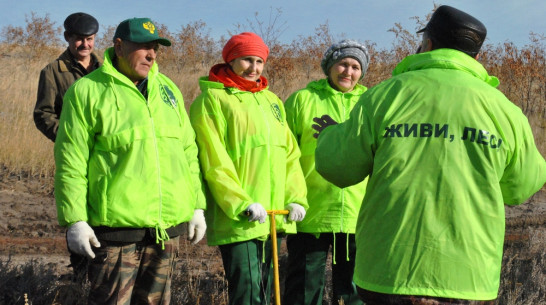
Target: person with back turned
(444,150)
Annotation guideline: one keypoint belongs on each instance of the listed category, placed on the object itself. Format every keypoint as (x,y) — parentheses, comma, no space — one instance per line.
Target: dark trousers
(249,271)
(307,256)
(375,298)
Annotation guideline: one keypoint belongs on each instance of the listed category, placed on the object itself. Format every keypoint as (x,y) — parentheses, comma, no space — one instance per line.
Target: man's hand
(257,212)
(80,238)
(321,123)
(197,226)
(297,212)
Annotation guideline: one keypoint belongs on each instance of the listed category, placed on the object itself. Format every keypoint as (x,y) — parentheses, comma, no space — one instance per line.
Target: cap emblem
(149,26)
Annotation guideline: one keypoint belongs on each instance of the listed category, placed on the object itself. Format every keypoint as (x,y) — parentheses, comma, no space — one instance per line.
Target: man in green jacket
(75,62)
(127,175)
(444,151)
(332,214)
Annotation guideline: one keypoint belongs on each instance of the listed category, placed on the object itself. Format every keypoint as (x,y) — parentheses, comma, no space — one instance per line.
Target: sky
(506,20)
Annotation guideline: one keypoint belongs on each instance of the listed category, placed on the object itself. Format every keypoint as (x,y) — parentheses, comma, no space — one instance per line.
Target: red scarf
(222,73)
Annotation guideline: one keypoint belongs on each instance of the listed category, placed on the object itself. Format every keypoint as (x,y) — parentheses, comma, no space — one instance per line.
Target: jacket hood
(445,59)
(205,84)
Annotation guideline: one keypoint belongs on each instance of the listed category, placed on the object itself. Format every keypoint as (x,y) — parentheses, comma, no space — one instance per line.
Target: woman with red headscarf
(250,162)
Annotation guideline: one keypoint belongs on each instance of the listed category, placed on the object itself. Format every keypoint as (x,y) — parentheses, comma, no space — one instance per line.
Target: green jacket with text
(444,151)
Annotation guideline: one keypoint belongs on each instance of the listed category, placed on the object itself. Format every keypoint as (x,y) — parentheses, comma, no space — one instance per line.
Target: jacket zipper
(343,189)
(160,232)
(268,137)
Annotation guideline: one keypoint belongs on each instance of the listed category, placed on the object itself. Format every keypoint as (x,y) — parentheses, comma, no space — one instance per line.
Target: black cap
(456,29)
(81,24)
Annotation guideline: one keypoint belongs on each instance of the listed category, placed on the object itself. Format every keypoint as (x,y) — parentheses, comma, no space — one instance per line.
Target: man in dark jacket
(77,61)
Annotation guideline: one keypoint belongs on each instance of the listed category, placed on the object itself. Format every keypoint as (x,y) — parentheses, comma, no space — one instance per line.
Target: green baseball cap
(139,30)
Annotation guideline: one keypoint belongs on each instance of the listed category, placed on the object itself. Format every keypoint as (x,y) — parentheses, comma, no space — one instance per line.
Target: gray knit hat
(342,49)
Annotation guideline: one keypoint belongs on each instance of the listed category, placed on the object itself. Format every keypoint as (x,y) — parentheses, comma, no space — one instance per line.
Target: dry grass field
(33,256)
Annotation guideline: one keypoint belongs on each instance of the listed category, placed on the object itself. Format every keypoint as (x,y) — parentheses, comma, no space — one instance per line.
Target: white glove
(297,212)
(256,212)
(197,226)
(80,238)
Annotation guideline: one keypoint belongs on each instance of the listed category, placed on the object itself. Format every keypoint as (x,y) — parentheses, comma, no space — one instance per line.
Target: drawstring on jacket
(346,248)
(161,236)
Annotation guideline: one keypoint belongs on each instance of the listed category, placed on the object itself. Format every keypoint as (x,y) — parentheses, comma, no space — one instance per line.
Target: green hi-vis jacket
(331,209)
(122,160)
(247,154)
(445,150)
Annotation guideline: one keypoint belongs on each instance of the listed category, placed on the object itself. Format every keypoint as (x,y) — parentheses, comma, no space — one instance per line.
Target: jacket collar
(323,84)
(445,59)
(66,60)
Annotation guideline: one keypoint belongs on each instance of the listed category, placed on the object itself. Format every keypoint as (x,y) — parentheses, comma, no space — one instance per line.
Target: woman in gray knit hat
(331,217)
(341,55)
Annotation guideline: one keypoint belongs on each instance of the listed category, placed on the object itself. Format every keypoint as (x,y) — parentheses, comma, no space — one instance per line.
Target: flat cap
(81,24)
(456,29)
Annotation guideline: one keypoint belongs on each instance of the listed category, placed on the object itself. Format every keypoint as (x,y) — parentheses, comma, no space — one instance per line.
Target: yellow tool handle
(276,284)
(273,235)
(272,212)
(279,212)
